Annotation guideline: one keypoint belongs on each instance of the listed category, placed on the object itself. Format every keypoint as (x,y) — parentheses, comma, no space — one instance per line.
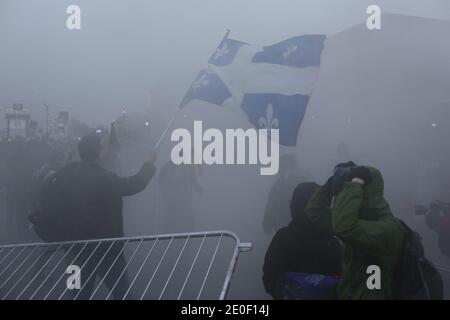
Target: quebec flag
(271,85)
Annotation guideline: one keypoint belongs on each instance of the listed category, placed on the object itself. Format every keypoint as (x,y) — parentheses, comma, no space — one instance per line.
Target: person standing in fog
(300,247)
(277,213)
(18,189)
(97,196)
(362,220)
(111,159)
(177,184)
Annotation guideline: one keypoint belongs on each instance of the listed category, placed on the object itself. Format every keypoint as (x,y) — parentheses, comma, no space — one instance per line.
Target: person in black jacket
(299,247)
(96,209)
(277,213)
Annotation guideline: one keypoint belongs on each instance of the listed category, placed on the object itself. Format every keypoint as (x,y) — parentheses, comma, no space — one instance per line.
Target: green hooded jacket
(362,220)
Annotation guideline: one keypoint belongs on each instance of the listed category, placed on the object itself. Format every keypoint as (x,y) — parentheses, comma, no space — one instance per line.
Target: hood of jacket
(374,205)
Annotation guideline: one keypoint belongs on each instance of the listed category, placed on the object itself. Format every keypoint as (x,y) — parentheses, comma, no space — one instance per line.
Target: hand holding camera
(345,172)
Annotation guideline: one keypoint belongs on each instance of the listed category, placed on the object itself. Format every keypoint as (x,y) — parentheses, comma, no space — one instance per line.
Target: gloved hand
(341,176)
(342,172)
(344,165)
(362,173)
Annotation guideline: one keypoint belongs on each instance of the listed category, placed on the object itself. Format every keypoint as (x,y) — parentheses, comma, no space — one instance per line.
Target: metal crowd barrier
(172,266)
(442,268)
(445,273)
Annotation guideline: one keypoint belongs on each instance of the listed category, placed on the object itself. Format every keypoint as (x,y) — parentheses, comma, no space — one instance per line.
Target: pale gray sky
(126,48)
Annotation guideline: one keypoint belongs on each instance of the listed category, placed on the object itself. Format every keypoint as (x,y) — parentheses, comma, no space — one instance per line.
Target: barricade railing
(172,266)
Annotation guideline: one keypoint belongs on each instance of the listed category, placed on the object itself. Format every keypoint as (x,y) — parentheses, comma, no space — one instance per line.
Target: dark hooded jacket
(299,247)
(362,219)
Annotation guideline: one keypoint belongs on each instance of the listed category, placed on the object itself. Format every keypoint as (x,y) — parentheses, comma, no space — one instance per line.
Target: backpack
(53,216)
(415,277)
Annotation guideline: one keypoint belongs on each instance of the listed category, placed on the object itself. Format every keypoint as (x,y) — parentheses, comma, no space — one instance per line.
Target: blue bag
(307,286)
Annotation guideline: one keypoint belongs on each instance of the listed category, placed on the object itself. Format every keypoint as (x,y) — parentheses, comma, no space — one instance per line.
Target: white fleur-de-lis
(220,52)
(290,50)
(269,122)
(202,81)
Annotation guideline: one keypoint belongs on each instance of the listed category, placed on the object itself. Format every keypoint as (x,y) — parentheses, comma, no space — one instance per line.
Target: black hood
(300,197)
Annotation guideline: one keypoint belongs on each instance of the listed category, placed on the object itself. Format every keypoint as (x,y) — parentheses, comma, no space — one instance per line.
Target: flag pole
(172,120)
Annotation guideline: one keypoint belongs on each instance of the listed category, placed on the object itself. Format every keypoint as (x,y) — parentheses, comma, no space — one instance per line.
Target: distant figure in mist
(277,213)
(110,159)
(98,195)
(20,164)
(300,247)
(177,184)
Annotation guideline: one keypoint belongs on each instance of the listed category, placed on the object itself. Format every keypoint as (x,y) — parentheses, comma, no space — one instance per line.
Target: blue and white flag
(271,85)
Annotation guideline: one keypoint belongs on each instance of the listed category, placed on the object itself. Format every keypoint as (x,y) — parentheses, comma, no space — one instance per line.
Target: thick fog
(127,49)
(385,95)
